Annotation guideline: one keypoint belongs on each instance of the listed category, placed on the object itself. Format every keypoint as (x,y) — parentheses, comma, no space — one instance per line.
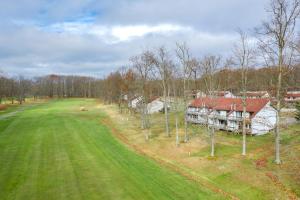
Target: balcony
(195,120)
(192,112)
(233,118)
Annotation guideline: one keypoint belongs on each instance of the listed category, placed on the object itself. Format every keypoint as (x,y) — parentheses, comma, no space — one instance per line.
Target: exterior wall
(264,120)
(229,95)
(220,119)
(133,103)
(155,106)
(292,99)
(232,125)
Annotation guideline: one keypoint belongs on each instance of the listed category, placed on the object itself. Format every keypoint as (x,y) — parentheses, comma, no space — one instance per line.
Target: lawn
(55,151)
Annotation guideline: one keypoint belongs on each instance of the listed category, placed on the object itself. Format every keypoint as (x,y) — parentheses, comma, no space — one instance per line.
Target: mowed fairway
(55,151)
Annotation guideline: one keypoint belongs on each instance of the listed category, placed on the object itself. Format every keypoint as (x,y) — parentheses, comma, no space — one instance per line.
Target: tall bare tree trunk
(212,139)
(166,109)
(278,92)
(186,137)
(244,126)
(244,112)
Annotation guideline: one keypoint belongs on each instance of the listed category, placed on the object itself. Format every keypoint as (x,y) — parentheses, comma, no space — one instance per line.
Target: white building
(292,96)
(227,114)
(257,94)
(133,103)
(226,94)
(155,105)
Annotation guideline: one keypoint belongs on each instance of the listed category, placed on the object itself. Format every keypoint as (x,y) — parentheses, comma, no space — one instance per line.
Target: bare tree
(163,65)
(184,56)
(244,57)
(209,66)
(143,65)
(276,41)
(173,78)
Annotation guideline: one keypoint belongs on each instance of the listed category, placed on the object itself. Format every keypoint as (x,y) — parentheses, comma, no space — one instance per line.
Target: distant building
(133,102)
(200,94)
(155,105)
(226,94)
(292,96)
(257,94)
(227,114)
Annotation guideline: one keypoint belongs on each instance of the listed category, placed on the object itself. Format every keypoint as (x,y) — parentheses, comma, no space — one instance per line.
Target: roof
(292,95)
(152,99)
(229,104)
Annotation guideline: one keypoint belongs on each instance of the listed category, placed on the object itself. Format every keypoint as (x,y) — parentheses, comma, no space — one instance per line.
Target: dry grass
(2,107)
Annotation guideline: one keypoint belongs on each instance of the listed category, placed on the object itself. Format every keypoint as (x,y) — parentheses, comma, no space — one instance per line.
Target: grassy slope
(54,151)
(229,171)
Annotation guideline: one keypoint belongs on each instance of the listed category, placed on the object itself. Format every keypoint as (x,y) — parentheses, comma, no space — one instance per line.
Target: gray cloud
(96,37)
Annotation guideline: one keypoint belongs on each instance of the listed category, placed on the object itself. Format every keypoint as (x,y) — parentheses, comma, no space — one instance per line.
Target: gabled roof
(229,104)
(152,99)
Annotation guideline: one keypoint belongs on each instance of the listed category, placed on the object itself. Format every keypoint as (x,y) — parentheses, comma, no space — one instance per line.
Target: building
(257,94)
(155,105)
(292,96)
(200,94)
(133,102)
(226,94)
(227,114)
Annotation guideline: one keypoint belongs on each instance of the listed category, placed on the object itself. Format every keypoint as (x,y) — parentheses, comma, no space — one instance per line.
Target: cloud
(109,34)
(95,37)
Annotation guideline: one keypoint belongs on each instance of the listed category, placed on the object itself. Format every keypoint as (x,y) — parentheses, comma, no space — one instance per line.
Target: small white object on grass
(82,108)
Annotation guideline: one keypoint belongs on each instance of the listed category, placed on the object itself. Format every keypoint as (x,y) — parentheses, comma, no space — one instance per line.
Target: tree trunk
(244,127)
(177,132)
(212,135)
(277,131)
(166,110)
(244,112)
(186,137)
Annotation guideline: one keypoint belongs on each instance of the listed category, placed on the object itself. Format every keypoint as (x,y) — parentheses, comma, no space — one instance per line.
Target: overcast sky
(94,37)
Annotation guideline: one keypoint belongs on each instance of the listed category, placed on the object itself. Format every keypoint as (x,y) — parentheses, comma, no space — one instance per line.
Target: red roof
(292,95)
(229,104)
(152,99)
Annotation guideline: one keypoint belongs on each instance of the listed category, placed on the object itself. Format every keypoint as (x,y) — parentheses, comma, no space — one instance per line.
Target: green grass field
(55,151)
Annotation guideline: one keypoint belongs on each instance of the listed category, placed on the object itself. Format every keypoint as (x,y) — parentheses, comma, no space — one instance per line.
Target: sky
(96,37)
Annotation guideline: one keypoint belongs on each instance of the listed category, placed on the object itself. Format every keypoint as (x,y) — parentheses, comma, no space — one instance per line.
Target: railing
(233,118)
(218,116)
(196,120)
(193,112)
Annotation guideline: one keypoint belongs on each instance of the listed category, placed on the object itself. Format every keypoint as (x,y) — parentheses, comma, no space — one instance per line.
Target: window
(238,114)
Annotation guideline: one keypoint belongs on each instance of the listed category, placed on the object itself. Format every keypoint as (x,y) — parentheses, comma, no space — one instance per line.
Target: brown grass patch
(3,107)
(261,163)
